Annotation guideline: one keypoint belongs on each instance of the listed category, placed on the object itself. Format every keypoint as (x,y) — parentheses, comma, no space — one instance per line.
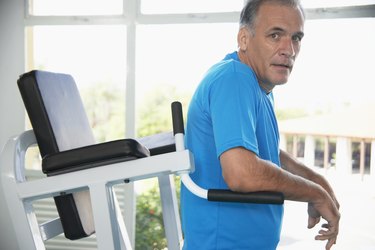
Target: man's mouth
(287,66)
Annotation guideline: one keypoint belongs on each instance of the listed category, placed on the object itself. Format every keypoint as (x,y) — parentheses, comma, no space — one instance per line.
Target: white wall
(12,113)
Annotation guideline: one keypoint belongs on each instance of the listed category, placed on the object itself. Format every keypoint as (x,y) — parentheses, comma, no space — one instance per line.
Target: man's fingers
(312,221)
(329,233)
(326,234)
(330,243)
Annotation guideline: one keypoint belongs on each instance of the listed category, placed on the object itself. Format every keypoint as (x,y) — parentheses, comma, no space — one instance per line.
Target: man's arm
(243,171)
(295,167)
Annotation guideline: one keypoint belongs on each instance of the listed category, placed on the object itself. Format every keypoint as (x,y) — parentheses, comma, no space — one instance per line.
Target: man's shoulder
(227,73)
(229,68)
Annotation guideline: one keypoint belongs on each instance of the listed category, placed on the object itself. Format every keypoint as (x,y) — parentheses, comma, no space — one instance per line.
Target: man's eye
(297,38)
(275,36)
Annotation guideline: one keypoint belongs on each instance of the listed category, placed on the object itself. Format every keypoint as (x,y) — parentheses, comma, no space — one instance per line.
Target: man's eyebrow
(279,29)
(299,33)
(273,29)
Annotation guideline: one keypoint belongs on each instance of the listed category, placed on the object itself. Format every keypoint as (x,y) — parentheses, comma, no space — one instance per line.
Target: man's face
(273,45)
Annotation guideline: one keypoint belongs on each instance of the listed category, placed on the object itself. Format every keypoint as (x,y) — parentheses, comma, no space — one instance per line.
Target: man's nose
(287,47)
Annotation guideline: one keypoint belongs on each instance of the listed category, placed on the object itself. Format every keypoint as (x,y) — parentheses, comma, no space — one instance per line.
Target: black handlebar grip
(264,197)
(177,118)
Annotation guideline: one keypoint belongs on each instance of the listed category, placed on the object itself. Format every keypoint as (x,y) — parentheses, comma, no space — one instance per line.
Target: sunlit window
(171,60)
(334,68)
(75,7)
(96,58)
(334,3)
(189,6)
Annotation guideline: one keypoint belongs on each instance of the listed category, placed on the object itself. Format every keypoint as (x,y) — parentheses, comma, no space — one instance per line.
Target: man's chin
(280,81)
(280,78)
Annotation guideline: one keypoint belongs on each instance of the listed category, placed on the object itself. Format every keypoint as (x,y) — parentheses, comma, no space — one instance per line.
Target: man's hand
(330,213)
(324,206)
(314,216)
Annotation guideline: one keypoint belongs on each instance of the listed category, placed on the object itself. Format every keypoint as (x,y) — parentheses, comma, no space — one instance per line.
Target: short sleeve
(233,109)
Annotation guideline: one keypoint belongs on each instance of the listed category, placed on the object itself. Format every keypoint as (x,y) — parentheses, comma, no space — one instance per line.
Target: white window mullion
(75,20)
(225,17)
(131,8)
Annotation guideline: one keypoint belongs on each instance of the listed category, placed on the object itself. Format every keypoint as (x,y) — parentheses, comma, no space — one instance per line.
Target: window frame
(132,17)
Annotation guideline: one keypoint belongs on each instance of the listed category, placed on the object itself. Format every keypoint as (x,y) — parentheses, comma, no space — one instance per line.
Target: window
(96,58)
(75,7)
(95,55)
(334,3)
(97,46)
(334,68)
(189,6)
(171,60)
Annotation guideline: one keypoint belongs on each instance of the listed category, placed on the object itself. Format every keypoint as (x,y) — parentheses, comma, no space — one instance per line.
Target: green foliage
(150,232)
(105,107)
(284,114)
(155,110)
(149,221)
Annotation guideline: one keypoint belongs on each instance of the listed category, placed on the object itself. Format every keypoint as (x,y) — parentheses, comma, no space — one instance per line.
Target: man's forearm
(295,167)
(292,165)
(243,171)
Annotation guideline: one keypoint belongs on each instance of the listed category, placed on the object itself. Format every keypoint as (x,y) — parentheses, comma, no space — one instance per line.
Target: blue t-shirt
(229,109)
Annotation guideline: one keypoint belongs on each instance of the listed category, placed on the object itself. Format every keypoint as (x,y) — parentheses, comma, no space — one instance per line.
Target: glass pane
(96,58)
(171,60)
(189,6)
(334,69)
(334,3)
(75,7)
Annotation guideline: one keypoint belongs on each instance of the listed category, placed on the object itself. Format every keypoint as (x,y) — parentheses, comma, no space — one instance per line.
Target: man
(233,134)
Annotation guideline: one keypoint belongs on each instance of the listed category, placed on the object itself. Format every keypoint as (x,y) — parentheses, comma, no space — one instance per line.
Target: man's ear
(243,38)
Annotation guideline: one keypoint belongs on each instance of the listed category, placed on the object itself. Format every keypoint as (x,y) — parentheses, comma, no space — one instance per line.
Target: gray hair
(251,8)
